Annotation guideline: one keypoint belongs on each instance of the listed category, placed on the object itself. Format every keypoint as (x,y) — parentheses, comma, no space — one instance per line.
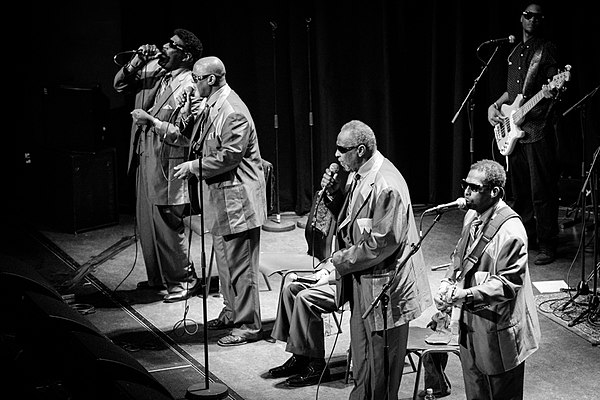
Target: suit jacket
(502,321)
(380,229)
(232,168)
(148,145)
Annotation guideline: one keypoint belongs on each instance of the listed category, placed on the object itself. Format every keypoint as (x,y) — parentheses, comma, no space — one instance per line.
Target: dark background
(402,67)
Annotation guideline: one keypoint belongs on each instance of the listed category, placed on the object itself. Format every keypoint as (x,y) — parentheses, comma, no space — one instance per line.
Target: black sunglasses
(174,45)
(344,150)
(197,78)
(530,14)
(475,187)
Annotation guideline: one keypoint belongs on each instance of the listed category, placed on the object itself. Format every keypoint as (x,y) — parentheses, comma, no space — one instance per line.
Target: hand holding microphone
(143,54)
(184,100)
(329,180)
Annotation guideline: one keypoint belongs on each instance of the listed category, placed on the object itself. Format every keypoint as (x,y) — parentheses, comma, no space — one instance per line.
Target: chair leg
(266,280)
(337,322)
(208,278)
(410,359)
(348,365)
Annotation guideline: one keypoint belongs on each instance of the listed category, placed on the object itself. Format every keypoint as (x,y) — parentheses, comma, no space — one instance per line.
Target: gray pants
(237,259)
(299,318)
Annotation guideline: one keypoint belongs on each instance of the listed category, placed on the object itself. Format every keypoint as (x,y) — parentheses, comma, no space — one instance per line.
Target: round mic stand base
(214,391)
(278,226)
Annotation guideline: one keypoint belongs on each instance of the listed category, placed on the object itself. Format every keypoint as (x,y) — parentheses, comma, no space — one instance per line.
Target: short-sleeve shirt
(539,119)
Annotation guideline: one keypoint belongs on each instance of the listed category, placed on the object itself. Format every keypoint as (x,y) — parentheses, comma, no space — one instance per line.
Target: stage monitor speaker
(73,118)
(17,277)
(79,189)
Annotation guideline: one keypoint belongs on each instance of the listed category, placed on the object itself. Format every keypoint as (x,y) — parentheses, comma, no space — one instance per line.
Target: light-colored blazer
(381,228)
(148,146)
(502,320)
(232,168)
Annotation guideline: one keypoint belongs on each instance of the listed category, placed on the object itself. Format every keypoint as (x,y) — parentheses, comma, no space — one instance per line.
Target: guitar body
(507,132)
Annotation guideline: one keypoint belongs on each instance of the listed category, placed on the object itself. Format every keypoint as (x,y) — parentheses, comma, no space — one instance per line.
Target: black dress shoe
(294,365)
(310,376)
(183,294)
(145,285)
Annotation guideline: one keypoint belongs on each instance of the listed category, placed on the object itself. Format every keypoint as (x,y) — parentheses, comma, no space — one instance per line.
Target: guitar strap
(489,231)
(533,67)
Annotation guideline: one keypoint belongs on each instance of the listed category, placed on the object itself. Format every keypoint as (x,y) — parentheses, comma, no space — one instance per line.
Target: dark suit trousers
(368,355)
(237,259)
(299,318)
(534,173)
(479,386)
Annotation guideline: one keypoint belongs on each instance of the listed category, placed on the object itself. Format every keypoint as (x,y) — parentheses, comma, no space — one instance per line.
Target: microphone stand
(216,390)
(471,104)
(310,113)
(582,116)
(384,298)
(583,287)
(277,225)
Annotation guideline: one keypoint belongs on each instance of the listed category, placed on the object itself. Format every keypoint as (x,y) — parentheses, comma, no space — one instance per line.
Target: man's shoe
(437,394)
(145,285)
(545,256)
(311,375)
(294,365)
(183,294)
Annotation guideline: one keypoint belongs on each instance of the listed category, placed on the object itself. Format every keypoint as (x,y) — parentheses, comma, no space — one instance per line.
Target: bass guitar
(508,131)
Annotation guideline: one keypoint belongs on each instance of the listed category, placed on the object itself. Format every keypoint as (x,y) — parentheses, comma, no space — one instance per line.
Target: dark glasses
(344,150)
(174,45)
(197,78)
(529,14)
(475,187)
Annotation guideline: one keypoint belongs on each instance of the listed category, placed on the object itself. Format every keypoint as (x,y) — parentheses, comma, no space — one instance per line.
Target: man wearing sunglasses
(375,231)
(490,289)
(228,160)
(160,78)
(533,164)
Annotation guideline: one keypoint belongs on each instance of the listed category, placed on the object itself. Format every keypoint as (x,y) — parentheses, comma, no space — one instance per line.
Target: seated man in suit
(299,319)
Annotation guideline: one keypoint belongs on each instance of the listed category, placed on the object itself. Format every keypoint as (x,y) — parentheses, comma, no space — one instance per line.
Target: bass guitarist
(533,164)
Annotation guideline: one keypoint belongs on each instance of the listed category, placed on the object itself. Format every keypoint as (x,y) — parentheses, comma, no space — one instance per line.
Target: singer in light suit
(230,165)
(498,326)
(158,143)
(375,231)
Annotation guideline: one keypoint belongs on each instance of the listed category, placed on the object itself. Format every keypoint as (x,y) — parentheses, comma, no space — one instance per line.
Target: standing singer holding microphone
(375,230)
(162,81)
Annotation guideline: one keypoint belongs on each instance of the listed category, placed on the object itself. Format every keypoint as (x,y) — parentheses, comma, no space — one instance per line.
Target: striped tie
(164,83)
(474,229)
(355,180)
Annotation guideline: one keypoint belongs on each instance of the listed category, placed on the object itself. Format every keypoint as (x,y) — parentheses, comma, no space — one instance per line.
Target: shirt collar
(367,167)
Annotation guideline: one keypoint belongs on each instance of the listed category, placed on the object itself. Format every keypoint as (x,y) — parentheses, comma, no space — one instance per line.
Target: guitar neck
(525,108)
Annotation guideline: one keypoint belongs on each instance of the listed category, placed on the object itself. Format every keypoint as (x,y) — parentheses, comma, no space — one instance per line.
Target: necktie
(164,83)
(355,180)
(474,229)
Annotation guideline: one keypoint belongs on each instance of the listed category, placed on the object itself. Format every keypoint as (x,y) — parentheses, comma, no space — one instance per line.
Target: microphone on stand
(459,203)
(509,39)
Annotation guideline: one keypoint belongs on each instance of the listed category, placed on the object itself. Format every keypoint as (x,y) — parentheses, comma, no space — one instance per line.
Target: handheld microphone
(157,54)
(187,92)
(333,168)
(459,203)
(509,39)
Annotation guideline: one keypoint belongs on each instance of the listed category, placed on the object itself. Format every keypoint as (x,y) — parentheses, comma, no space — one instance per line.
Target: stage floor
(167,339)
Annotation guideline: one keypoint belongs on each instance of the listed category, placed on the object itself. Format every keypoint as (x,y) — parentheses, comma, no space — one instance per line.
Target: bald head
(210,65)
